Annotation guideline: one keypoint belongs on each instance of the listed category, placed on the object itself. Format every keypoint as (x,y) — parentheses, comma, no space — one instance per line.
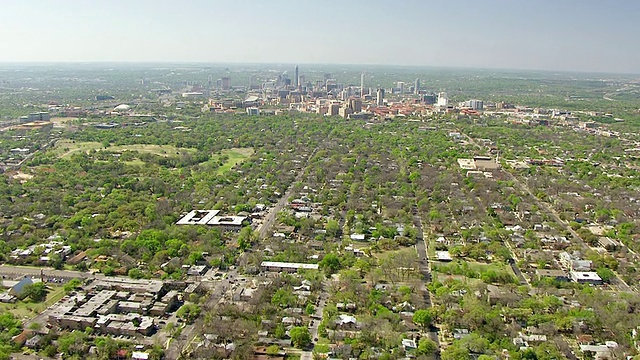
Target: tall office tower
(362,85)
(416,86)
(443,101)
(401,87)
(429,99)
(476,104)
(210,81)
(380,98)
(355,105)
(301,81)
(226,83)
(296,78)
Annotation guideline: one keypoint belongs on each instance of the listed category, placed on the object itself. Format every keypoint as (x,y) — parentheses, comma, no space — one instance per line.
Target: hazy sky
(579,35)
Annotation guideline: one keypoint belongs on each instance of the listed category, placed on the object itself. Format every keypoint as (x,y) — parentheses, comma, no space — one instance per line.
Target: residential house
(559,275)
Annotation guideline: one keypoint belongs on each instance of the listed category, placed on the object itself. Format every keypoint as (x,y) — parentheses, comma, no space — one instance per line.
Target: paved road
(556,217)
(18,271)
(29,156)
(544,205)
(421,248)
(48,273)
(184,343)
(273,213)
(425,269)
(313,329)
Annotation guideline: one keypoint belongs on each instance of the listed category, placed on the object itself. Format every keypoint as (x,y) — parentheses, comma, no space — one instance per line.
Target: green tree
(280,332)
(455,352)
(106,347)
(37,292)
(309,309)
(284,298)
(156,352)
(72,285)
(427,346)
(605,274)
(300,336)
(423,317)
(332,227)
(189,312)
(246,237)
(273,350)
(73,343)
(135,273)
(330,264)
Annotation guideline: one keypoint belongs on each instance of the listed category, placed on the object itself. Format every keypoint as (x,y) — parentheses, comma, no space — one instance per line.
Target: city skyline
(588,36)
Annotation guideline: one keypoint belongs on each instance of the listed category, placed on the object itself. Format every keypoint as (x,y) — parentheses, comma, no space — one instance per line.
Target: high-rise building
(362,85)
(355,105)
(416,86)
(301,81)
(475,104)
(380,97)
(429,99)
(334,109)
(296,77)
(226,83)
(443,101)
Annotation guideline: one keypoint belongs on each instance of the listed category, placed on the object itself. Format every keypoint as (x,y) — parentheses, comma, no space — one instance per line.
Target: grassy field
(470,269)
(61,121)
(65,148)
(26,310)
(236,156)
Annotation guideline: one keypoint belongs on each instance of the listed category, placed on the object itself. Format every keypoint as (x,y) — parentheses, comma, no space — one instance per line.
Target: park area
(66,148)
(222,161)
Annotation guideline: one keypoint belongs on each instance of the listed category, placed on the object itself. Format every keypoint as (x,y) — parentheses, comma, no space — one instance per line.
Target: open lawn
(232,157)
(26,309)
(65,148)
(490,273)
(61,121)
(236,156)
(469,281)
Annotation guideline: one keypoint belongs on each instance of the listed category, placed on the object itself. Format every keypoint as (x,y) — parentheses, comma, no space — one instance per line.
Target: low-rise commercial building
(286,267)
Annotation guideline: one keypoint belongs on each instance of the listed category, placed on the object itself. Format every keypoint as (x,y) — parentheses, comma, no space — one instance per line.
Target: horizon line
(156,62)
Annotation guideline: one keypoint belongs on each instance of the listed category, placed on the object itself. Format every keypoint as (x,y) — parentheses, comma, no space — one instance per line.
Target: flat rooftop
(286,265)
(198,217)
(467,164)
(227,220)
(210,217)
